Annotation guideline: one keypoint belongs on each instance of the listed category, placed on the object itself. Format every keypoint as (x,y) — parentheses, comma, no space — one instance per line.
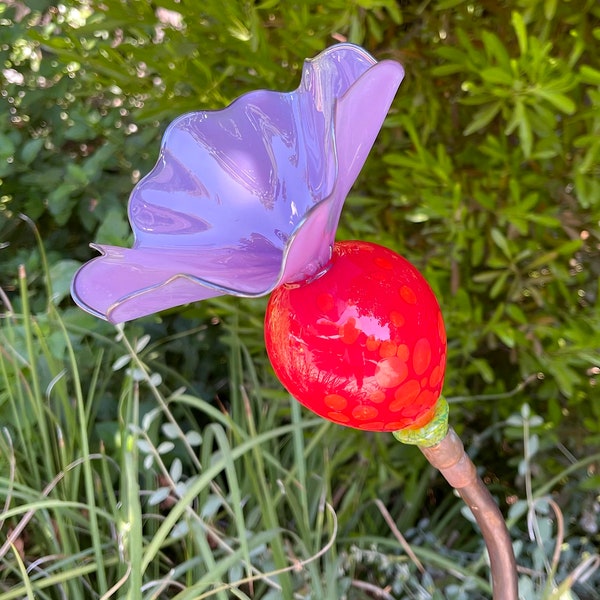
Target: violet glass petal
(244,199)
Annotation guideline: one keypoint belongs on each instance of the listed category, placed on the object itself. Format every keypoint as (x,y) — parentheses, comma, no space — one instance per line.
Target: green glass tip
(432,433)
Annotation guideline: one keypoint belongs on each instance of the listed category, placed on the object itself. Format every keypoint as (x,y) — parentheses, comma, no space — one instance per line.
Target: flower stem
(450,458)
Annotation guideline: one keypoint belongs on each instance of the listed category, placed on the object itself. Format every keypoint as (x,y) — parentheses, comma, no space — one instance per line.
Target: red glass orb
(364,344)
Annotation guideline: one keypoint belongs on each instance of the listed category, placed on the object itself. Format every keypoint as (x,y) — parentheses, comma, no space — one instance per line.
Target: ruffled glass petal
(244,199)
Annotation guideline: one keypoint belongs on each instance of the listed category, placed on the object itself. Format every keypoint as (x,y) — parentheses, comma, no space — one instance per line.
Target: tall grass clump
(119,481)
(169,496)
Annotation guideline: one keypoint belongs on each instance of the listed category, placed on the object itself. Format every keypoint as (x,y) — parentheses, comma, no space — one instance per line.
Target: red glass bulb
(364,344)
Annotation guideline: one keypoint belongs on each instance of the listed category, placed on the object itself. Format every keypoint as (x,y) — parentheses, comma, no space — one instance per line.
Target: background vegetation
(164,460)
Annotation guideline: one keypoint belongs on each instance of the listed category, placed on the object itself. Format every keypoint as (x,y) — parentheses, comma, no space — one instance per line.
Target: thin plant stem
(401,539)
(493,397)
(160,400)
(131,528)
(35,381)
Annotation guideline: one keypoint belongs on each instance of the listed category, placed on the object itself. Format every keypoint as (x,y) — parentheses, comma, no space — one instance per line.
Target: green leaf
(589,75)
(593,483)
(445,70)
(484,369)
(505,333)
(515,313)
(501,242)
(513,122)
(544,220)
(61,275)
(549,9)
(497,75)
(591,158)
(499,284)
(114,228)
(76,175)
(520,30)
(558,100)
(483,117)
(486,276)
(519,119)
(7,147)
(454,55)
(30,150)
(495,49)
(565,377)
(60,204)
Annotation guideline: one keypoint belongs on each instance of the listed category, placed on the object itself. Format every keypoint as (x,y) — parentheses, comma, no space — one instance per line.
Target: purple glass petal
(247,198)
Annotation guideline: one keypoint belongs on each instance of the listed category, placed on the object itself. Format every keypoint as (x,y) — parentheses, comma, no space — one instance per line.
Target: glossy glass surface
(246,198)
(363,345)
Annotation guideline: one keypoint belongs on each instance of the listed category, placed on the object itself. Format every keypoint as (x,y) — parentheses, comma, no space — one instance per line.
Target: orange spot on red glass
(335,402)
(436,376)
(394,425)
(408,295)
(364,412)
(403,352)
(338,417)
(422,419)
(397,318)
(372,343)
(377,397)
(425,400)
(405,395)
(421,357)
(387,349)
(372,426)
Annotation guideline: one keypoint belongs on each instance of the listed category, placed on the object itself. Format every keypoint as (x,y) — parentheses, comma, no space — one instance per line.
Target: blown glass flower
(247,198)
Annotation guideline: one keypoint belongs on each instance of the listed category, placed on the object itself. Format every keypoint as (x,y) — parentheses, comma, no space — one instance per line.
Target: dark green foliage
(507,203)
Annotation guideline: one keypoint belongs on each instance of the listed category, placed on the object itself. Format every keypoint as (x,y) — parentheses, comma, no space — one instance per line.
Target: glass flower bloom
(244,199)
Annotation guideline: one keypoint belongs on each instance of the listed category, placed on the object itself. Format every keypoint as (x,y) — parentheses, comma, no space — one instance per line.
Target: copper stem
(450,458)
